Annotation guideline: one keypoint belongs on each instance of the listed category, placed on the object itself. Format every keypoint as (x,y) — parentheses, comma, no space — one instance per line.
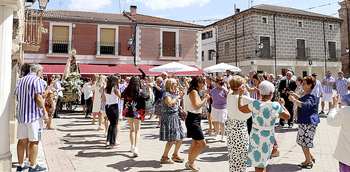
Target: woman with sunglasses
(170,128)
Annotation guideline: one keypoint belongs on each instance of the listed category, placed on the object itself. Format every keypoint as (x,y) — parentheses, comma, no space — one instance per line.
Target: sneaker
(110,147)
(117,142)
(100,128)
(217,137)
(132,148)
(20,169)
(37,168)
(223,139)
(321,113)
(107,143)
(212,134)
(136,152)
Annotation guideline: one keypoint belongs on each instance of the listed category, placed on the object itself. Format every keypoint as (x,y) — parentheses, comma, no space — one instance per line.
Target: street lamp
(260,47)
(43,4)
(347,52)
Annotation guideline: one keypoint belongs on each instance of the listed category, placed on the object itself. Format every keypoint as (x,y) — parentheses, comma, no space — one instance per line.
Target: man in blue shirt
(327,83)
(318,90)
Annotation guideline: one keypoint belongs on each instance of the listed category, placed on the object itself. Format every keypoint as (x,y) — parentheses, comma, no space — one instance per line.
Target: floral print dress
(262,136)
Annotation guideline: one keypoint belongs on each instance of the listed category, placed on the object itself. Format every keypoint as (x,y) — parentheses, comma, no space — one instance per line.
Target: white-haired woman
(264,114)
(158,90)
(341,118)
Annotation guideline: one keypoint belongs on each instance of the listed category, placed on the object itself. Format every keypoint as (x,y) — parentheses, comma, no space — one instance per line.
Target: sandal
(308,165)
(166,160)
(190,167)
(176,158)
(50,128)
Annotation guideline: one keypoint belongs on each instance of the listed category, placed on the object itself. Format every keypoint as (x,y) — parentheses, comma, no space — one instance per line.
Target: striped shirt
(342,86)
(328,88)
(26,89)
(253,95)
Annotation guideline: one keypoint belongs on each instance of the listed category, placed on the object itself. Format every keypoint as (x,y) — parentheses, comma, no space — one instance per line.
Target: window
(300,23)
(227,48)
(202,55)
(331,48)
(60,39)
(226,27)
(264,19)
(169,44)
(304,74)
(107,44)
(330,27)
(265,51)
(301,51)
(207,35)
(210,54)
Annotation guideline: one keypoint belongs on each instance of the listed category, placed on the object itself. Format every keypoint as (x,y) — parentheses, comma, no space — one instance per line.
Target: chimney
(133,9)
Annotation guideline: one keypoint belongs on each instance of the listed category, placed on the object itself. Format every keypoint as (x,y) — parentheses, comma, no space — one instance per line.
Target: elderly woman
(219,111)
(264,114)
(158,90)
(193,105)
(170,128)
(299,91)
(341,118)
(307,118)
(236,128)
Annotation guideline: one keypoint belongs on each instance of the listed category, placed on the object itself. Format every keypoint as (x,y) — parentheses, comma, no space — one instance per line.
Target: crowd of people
(241,111)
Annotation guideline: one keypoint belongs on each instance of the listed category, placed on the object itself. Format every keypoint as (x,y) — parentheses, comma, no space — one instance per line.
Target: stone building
(305,41)
(344,13)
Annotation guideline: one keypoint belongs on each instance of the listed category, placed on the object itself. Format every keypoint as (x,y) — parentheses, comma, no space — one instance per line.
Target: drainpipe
(236,41)
(325,48)
(275,40)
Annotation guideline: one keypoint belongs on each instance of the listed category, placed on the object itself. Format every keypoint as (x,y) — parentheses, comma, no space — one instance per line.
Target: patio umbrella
(221,67)
(173,67)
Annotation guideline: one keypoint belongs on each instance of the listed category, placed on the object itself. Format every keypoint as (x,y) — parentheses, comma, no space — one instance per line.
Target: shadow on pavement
(282,167)
(285,129)
(130,163)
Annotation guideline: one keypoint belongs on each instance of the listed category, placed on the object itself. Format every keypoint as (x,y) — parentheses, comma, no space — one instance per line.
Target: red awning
(122,69)
(53,68)
(145,69)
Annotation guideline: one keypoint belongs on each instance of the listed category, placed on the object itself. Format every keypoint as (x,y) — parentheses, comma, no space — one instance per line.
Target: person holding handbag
(170,127)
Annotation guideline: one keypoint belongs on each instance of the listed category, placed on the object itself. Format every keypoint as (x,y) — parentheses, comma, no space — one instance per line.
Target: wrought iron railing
(170,50)
(58,46)
(109,48)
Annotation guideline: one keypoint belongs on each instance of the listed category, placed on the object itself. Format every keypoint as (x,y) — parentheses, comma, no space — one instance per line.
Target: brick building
(344,13)
(305,41)
(102,39)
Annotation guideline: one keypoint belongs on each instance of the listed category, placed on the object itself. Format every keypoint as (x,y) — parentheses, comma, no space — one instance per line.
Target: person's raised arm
(171,102)
(52,84)
(285,114)
(335,118)
(182,88)
(117,92)
(241,107)
(196,102)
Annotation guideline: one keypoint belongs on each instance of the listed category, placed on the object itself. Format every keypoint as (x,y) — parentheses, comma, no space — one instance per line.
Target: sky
(202,12)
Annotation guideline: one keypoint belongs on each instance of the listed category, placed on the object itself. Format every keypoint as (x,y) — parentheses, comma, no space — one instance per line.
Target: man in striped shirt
(327,83)
(341,85)
(31,113)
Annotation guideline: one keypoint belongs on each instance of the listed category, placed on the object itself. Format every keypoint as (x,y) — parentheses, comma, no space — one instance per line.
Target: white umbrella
(221,67)
(173,67)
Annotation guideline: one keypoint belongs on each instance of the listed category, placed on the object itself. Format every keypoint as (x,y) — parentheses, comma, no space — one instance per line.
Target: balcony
(108,48)
(169,51)
(59,47)
(32,30)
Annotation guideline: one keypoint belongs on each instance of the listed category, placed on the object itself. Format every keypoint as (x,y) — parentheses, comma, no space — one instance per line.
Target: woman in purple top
(219,111)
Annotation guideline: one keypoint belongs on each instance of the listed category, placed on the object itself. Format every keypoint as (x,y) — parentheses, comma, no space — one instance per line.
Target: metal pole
(274,36)
(325,48)
(134,45)
(236,41)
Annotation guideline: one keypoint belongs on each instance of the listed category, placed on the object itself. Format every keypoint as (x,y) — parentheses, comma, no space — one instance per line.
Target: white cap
(266,88)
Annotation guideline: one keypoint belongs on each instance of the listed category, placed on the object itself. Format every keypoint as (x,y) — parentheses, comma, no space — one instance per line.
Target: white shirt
(188,105)
(86,90)
(336,119)
(228,78)
(232,108)
(164,81)
(111,98)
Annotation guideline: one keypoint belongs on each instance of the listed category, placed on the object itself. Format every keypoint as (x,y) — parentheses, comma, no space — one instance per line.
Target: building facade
(106,38)
(209,46)
(270,38)
(344,13)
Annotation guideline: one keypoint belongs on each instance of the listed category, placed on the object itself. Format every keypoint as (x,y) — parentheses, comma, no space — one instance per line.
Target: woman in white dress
(97,100)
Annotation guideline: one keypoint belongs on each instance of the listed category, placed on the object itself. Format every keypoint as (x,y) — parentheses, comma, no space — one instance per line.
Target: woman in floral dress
(264,114)
(171,129)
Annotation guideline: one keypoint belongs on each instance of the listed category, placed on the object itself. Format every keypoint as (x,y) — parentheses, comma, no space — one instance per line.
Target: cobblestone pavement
(77,145)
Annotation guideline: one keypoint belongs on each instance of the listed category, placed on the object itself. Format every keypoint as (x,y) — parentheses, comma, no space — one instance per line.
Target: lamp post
(43,4)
